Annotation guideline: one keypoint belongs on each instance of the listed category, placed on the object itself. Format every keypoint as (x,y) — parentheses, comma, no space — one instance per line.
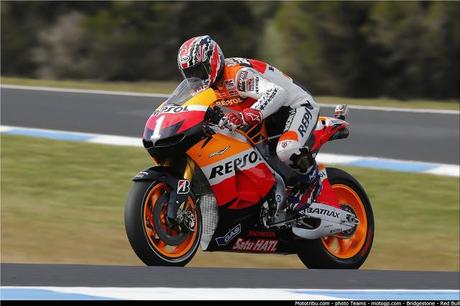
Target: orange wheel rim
(348,247)
(169,251)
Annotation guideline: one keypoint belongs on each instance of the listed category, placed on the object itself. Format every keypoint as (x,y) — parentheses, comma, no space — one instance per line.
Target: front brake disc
(162,227)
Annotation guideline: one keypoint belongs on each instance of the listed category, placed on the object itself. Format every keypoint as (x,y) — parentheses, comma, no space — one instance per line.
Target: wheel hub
(170,233)
(351,231)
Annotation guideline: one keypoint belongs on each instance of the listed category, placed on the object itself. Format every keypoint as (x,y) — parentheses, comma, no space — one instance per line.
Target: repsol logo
(228,101)
(230,166)
(305,122)
(171,109)
(325,212)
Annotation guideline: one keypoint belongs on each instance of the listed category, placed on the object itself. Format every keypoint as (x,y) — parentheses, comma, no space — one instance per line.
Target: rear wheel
(347,250)
(156,241)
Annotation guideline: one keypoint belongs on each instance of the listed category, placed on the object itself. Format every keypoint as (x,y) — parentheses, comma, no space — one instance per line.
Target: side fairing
(237,173)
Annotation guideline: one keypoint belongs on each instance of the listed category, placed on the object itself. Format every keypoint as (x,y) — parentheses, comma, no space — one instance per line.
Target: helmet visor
(198,71)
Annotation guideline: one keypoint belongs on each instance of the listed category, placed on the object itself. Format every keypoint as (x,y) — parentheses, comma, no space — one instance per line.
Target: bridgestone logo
(238,163)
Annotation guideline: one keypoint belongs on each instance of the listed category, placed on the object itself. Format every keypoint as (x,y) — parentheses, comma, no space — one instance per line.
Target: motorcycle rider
(254,90)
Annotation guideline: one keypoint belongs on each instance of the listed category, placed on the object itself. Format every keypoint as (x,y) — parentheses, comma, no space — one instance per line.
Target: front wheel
(156,241)
(342,251)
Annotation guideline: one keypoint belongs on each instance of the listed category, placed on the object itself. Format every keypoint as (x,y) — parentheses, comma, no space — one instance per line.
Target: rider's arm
(269,96)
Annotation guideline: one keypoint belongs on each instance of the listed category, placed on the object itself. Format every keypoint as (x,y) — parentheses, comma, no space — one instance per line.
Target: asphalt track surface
(401,135)
(138,276)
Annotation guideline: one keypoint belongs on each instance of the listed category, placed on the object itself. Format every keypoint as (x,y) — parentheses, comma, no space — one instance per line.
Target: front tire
(347,252)
(154,241)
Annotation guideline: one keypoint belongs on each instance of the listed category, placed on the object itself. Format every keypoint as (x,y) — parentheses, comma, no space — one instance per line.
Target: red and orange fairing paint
(237,173)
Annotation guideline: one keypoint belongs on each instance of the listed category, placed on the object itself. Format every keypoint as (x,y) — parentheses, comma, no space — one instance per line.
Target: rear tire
(144,219)
(342,253)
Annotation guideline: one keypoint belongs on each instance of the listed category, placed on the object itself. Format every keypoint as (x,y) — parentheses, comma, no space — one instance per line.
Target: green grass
(62,202)
(167,87)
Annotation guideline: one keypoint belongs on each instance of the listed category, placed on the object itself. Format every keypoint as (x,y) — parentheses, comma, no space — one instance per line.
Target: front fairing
(177,119)
(170,119)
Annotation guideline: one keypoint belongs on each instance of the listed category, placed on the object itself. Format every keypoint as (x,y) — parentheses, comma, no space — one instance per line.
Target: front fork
(181,190)
(189,169)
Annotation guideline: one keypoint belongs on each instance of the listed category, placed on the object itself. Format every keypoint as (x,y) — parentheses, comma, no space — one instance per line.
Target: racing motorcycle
(226,190)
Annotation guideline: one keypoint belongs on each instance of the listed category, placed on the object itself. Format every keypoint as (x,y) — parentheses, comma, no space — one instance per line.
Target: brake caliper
(186,218)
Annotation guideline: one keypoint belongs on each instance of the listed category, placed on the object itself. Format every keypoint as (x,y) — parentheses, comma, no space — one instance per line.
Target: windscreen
(186,90)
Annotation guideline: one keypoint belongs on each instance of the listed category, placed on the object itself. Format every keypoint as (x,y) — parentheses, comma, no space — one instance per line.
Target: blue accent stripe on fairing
(392,165)
(43,294)
(49,134)
(385,295)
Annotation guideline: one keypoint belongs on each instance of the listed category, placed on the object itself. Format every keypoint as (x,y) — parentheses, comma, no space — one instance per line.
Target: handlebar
(214,115)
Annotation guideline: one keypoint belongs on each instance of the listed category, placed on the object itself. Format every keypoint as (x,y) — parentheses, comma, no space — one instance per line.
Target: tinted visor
(199,71)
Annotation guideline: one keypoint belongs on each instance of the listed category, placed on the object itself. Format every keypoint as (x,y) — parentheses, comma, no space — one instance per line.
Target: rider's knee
(285,150)
(292,154)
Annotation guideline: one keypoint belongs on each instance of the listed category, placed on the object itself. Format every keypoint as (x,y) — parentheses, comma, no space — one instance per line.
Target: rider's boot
(308,188)
(313,187)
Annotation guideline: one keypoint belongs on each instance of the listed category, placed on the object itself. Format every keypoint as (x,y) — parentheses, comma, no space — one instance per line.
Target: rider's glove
(232,121)
(248,116)
(341,111)
(252,116)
